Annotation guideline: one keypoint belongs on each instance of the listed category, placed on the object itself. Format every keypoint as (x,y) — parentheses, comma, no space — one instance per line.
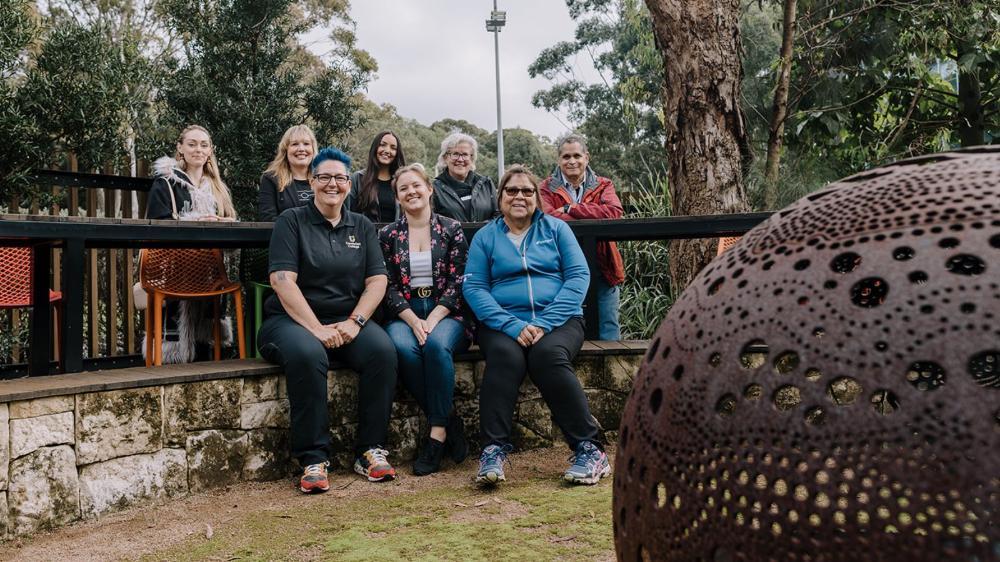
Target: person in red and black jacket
(574,191)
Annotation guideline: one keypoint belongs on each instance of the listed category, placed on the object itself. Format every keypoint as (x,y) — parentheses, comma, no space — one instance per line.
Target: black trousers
(306,361)
(549,363)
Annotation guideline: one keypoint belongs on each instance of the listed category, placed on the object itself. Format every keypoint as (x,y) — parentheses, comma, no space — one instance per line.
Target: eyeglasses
(460,156)
(526,192)
(324,179)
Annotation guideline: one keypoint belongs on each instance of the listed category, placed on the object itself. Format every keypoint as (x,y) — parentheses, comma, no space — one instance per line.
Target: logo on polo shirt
(352,242)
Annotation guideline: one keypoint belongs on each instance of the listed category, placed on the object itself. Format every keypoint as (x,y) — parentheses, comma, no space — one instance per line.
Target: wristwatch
(359,319)
(565,208)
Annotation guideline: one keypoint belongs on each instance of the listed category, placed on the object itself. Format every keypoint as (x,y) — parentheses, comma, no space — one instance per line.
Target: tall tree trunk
(707,146)
(779,111)
(972,125)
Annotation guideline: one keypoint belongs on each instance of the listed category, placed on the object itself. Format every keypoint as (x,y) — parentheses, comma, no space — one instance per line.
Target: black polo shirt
(332,262)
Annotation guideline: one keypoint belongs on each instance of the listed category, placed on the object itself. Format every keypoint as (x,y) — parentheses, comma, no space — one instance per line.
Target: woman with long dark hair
(372,194)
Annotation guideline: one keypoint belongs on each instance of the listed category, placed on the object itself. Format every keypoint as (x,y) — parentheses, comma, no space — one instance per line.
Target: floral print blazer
(449,251)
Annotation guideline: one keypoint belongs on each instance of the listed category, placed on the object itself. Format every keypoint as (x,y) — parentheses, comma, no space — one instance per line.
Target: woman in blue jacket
(525,280)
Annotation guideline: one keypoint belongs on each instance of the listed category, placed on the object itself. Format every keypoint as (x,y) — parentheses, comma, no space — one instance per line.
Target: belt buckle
(424,292)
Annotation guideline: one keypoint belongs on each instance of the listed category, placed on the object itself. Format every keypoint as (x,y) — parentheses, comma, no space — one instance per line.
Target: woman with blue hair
(328,276)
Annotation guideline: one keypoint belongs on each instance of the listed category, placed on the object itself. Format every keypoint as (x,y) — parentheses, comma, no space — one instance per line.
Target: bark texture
(706,133)
(779,111)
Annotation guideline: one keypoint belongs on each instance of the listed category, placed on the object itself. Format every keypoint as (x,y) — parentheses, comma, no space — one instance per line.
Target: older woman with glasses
(525,280)
(459,192)
(328,277)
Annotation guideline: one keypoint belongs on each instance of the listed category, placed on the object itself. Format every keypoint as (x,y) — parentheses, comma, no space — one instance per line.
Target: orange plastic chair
(726,243)
(15,284)
(185,274)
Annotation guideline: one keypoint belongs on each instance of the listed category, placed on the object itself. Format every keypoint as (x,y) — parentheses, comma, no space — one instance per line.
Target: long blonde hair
(223,200)
(279,167)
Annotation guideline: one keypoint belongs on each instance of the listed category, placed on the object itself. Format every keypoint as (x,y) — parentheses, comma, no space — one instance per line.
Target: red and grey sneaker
(314,480)
(373,465)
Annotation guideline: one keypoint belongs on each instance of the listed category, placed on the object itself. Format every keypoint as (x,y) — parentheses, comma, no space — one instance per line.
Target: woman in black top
(459,192)
(371,189)
(328,275)
(285,183)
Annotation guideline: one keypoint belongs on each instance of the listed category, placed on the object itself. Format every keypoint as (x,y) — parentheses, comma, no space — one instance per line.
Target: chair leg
(57,312)
(216,328)
(157,329)
(148,314)
(238,301)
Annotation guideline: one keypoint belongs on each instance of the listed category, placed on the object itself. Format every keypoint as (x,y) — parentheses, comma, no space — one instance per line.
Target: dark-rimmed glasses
(324,179)
(527,192)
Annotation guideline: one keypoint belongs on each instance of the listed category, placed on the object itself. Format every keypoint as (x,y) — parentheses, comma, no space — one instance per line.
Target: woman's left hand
(348,329)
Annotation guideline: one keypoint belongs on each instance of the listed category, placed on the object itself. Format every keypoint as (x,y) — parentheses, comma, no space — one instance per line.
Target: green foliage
(647,294)
(20,142)
(621,114)
(237,79)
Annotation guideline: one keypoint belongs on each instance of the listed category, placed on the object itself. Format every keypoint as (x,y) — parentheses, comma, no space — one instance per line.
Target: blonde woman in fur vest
(198,194)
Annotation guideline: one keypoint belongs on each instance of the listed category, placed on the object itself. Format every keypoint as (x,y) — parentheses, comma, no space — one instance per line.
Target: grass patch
(529,519)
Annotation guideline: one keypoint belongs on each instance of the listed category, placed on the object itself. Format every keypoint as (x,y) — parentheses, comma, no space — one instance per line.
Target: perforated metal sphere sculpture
(829,388)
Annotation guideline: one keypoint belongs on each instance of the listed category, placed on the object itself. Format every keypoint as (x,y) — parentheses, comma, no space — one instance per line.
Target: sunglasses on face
(325,179)
(526,192)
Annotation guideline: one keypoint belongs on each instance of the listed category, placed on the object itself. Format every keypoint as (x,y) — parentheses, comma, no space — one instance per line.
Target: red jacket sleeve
(552,203)
(606,206)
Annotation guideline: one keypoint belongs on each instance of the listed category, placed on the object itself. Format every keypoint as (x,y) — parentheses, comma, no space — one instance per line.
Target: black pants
(306,361)
(550,365)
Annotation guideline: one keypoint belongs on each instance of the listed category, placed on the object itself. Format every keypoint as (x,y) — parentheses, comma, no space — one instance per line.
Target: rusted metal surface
(829,388)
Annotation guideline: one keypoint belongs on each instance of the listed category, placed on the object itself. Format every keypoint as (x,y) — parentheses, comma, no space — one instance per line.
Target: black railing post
(71,354)
(589,246)
(41,320)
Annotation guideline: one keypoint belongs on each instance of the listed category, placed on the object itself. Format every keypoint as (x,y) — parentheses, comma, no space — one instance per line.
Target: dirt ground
(242,522)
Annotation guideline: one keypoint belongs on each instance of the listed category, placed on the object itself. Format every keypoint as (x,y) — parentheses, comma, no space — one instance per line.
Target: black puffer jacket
(482,206)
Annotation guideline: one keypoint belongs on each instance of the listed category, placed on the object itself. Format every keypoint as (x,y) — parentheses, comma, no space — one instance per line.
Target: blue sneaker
(491,465)
(590,464)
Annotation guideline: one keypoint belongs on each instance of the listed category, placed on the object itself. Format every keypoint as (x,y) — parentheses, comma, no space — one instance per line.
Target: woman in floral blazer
(425,256)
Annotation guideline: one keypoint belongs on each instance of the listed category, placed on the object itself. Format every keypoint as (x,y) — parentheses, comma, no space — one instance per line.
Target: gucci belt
(423,292)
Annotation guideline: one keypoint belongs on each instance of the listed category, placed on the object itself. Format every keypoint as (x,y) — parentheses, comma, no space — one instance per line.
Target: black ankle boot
(457,445)
(429,459)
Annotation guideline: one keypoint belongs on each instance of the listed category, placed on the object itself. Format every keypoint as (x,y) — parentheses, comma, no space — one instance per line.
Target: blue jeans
(428,371)
(607,310)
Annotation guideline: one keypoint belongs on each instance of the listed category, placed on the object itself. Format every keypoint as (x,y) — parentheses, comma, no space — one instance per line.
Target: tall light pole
(497,20)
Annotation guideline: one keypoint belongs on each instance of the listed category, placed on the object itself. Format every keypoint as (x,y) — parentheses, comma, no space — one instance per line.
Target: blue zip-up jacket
(542,283)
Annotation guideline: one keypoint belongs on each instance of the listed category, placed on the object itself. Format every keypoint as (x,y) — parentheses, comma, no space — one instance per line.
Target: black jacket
(271,202)
(168,178)
(351,202)
(483,203)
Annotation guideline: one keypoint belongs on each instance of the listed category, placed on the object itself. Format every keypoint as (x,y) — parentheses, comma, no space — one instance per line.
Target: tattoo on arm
(280,276)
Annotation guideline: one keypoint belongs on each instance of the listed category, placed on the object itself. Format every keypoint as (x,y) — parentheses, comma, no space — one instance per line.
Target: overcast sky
(436,60)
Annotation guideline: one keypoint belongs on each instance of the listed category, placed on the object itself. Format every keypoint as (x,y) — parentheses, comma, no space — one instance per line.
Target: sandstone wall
(79,456)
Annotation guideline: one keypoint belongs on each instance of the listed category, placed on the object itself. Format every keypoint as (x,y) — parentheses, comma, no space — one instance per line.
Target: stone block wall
(79,456)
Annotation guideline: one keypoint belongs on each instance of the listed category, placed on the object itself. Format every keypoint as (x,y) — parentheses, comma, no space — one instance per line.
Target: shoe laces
(377,456)
(586,455)
(496,454)
(316,469)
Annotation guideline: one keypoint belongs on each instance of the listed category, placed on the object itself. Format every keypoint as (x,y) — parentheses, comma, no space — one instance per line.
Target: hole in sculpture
(917,277)
(925,375)
(714,287)
(661,495)
(787,362)
(813,374)
(903,253)
(869,292)
(995,241)
(678,372)
(884,401)
(801,265)
(844,390)
(815,416)
(715,359)
(753,355)
(787,397)
(753,391)
(948,243)
(985,368)
(845,263)
(965,264)
(726,405)
(655,399)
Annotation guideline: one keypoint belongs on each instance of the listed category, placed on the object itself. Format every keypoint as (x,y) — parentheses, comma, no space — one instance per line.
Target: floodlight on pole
(494,25)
